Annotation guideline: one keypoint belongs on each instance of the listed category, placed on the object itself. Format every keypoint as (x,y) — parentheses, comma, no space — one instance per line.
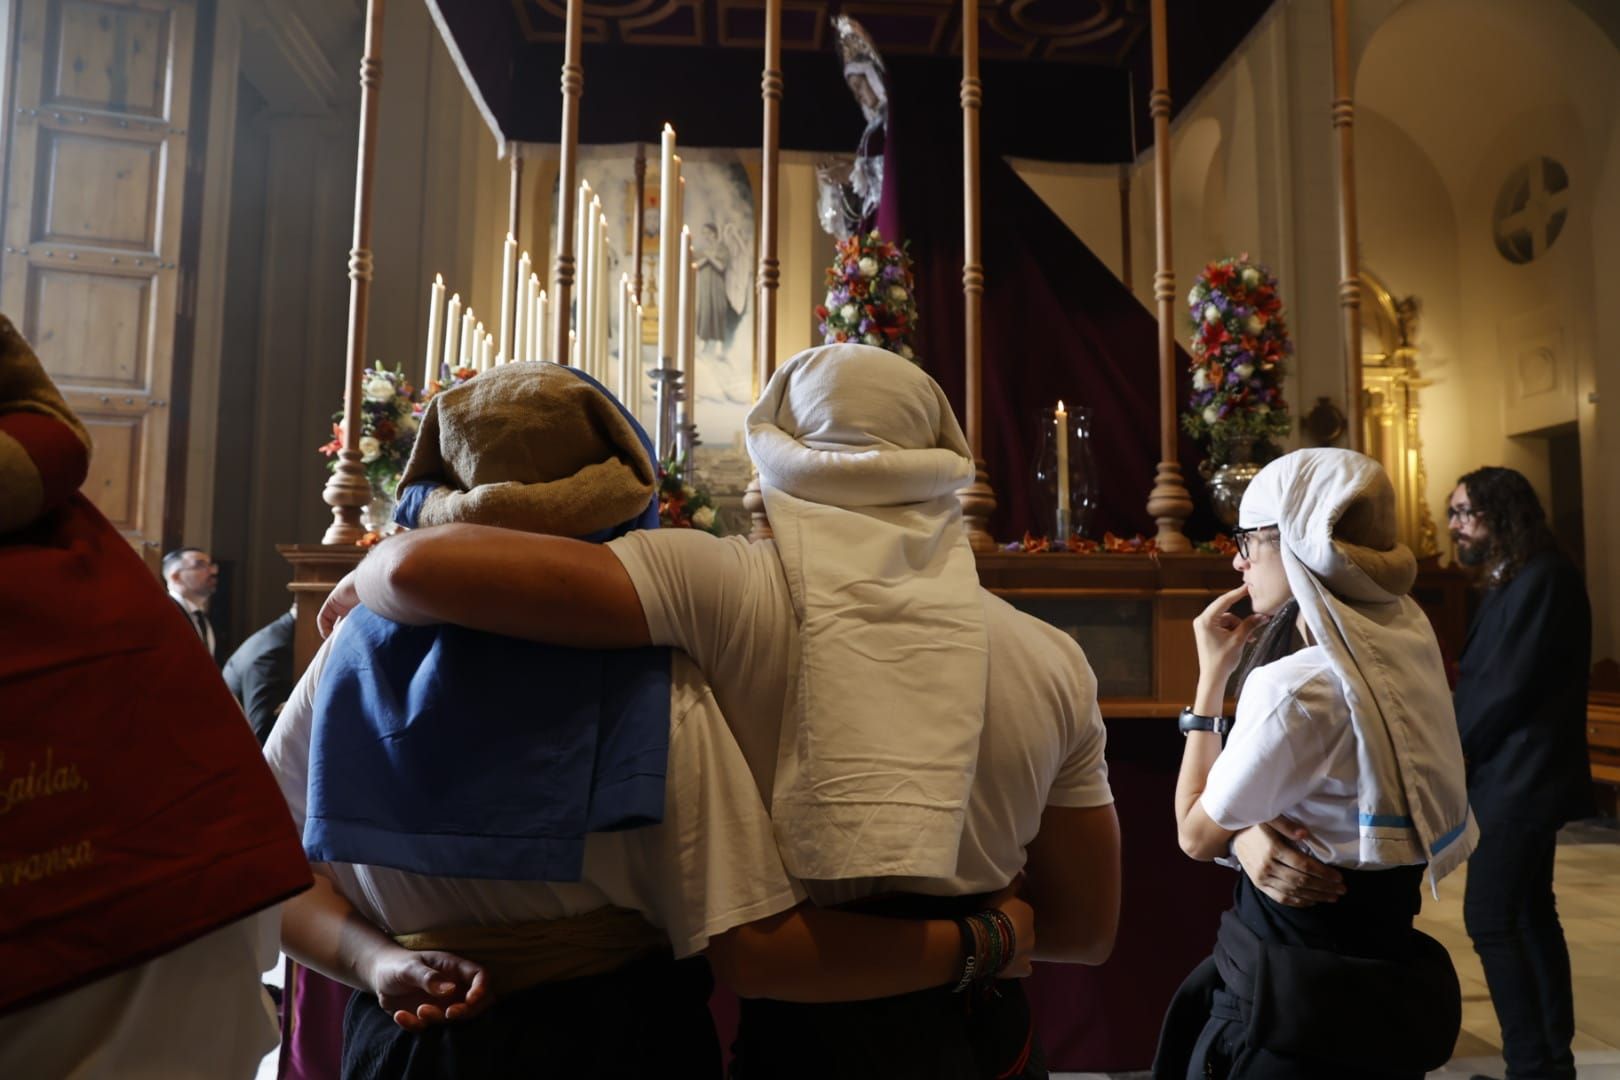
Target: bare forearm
(321,930)
(543,588)
(816,955)
(1072,880)
(1200,837)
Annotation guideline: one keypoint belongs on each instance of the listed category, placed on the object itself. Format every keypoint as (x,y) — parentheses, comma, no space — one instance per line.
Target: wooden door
(95,177)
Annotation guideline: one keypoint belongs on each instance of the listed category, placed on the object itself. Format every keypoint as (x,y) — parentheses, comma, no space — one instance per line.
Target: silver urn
(1229,481)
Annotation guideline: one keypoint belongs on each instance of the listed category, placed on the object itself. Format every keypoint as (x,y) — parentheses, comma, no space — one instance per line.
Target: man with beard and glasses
(1521,704)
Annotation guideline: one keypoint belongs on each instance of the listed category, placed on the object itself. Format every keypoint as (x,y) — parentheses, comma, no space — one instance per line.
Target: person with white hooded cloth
(1349,735)
(918,741)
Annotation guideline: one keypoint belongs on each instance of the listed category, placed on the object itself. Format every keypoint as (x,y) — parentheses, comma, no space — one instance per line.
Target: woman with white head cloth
(1344,727)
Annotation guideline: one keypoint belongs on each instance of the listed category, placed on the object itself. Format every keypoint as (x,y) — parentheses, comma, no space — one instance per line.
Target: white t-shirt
(711,866)
(726,603)
(1292,751)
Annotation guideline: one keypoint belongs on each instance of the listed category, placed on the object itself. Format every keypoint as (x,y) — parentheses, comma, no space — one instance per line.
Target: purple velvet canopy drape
(1057,324)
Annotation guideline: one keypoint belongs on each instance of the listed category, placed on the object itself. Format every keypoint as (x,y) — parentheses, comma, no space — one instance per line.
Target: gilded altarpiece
(1391,382)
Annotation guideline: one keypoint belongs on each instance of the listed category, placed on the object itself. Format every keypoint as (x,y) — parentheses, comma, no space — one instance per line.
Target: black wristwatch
(1191,721)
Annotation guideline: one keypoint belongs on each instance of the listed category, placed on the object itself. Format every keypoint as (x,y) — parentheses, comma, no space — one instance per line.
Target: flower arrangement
(388,425)
(869,295)
(1220,544)
(435,387)
(681,504)
(1239,345)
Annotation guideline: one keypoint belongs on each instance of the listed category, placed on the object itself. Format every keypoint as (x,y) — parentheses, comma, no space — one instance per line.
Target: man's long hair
(1514,516)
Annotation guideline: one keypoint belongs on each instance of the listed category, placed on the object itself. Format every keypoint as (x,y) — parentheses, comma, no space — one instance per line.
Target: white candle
(543,317)
(529,291)
(668,192)
(468,342)
(479,338)
(683,308)
(624,337)
(582,263)
(435,326)
(520,312)
(573,348)
(1063,465)
(639,313)
(508,257)
(603,299)
(450,331)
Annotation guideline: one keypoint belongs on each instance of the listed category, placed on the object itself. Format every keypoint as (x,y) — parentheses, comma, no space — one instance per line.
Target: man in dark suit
(1521,704)
(260,672)
(192,577)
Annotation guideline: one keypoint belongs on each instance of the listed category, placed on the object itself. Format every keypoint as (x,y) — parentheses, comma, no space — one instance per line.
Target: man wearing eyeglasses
(1521,704)
(192,578)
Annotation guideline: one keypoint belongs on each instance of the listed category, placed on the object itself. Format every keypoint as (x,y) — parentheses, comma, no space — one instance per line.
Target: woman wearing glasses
(1344,730)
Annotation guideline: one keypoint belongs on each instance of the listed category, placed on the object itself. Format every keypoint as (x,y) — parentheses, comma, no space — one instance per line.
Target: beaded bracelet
(989,944)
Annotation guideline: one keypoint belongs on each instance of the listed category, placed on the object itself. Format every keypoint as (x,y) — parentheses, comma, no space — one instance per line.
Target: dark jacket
(1521,698)
(260,674)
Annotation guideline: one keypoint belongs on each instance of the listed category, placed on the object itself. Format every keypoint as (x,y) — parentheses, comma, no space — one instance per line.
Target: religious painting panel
(721,214)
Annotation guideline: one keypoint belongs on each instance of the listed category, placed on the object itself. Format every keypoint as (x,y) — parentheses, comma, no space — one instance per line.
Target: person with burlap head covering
(143,845)
(919,741)
(459,791)
(1344,736)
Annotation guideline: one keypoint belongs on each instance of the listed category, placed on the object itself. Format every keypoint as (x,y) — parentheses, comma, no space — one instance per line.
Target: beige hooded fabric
(859,459)
(530,446)
(1335,511)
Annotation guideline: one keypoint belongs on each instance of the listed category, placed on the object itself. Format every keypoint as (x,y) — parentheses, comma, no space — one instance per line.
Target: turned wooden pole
(1168,503)
(1344,111)
(348,488)
(770,88)
(573,88)
(978,500)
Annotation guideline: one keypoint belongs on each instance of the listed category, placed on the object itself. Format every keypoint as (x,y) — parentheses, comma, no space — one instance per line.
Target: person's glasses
(202,566)
(1242,538)
(1457,513)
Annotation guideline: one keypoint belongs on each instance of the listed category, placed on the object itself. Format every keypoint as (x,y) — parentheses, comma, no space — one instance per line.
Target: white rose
(897,293)
(1253,325)
(703,517)
(868,265)
(1244,370)
(1262,409)
(1196,296)
(370,448)
(1211,414)
(688,492)
(847,313)
(873,339)
(1212,313)
(1251,277)
(1201,379)
(407,425)
(905,351)
(379,389)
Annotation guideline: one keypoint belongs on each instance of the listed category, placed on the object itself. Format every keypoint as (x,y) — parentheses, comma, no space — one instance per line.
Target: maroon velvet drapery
(1057,324)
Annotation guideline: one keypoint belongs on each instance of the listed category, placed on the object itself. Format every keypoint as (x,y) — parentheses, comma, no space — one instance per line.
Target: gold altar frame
(1390,382)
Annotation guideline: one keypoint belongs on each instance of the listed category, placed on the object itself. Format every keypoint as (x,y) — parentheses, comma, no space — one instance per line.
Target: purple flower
(867,326)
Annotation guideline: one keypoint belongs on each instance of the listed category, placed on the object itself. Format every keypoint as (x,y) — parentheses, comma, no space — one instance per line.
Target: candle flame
(1060,405)
(438,279)
(509,239)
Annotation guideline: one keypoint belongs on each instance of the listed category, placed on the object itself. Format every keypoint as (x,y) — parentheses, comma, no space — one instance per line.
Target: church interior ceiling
(1062,77)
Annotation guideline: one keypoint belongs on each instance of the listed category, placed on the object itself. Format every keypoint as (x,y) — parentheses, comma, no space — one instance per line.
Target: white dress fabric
(199,1012)
(859,460)
(710,866)
(1335,512)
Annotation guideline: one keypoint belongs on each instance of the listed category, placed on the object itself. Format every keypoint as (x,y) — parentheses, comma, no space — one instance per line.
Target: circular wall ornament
(1531,210)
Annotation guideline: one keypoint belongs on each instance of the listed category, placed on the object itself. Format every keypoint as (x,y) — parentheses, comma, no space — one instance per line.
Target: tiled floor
(1589,907)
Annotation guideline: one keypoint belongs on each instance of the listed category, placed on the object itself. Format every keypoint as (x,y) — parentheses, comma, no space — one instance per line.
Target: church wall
(1086,199)
(1600,443)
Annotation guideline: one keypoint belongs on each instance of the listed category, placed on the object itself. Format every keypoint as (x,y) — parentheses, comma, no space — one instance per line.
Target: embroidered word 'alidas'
(44,864)
(38,783)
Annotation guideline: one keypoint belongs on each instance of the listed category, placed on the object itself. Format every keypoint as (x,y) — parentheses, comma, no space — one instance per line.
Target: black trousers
(650,1019)
(1512,917)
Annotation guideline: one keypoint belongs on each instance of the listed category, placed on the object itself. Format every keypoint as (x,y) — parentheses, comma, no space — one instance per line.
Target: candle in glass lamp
(1062,466)
(508,257)
(435,326)
(452,315)
(464,355)
(520,309)
(667,194)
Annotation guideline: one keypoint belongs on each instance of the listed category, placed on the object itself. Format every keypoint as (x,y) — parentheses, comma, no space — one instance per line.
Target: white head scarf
(1335,511)
(859,460)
